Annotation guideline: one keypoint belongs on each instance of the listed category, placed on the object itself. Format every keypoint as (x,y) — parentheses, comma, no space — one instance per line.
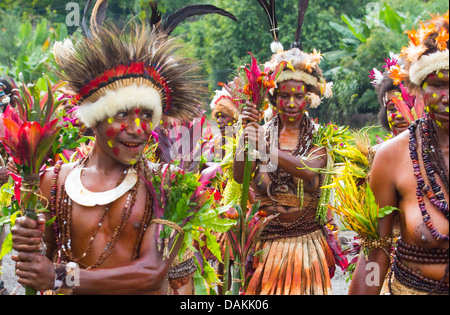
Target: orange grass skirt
(292,266)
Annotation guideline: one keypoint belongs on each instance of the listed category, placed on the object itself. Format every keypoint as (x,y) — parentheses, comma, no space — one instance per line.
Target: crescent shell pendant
(82,196)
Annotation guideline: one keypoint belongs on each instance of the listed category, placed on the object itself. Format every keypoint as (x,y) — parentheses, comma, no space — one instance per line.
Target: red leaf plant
(28,134)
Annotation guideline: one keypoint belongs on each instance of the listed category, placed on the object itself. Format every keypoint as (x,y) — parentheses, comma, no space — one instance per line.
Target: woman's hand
(250,114)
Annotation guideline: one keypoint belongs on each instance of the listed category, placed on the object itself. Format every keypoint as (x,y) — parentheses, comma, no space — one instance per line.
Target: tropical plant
(28,133)
(27,50)
(242,238)
(355,205)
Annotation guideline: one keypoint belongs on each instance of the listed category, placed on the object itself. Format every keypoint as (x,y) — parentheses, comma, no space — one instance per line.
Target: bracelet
(371,243)
(63,273)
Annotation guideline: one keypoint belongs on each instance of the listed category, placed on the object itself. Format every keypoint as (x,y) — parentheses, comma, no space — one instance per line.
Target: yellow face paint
(291,119)
(110,120)
(425,86)
(111,143)
(293,90)
(435,95)
(133,161)
(440,75)
(138,122)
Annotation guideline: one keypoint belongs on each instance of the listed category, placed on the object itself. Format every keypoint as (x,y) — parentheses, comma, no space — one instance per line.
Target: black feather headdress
(171,21)
(110,69)
(301,66)
(302,7)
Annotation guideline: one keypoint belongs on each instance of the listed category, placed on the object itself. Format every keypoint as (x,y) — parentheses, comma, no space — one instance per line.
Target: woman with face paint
(388,93)
(103,228)
(410,172)
(295,256)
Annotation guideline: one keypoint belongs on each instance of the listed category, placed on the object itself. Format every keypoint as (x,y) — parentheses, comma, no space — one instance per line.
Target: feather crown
(114,59)
(427,52)
(223,102)
(111,69)
(301,66)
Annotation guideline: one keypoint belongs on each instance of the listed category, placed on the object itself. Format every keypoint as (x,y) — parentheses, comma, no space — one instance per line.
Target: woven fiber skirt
(292,266)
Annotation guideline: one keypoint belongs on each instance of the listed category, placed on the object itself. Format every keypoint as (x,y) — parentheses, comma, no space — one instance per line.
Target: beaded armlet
(371,243)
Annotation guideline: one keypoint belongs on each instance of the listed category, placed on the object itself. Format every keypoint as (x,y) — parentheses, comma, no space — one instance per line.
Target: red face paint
(116,151)
(283,87)
(281,103)
(123,126)
(139,131)
(303,105)
(137,110)
(144,126)
(111,132)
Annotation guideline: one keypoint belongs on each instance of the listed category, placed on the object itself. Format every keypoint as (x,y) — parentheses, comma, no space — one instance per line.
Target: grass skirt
(292,266)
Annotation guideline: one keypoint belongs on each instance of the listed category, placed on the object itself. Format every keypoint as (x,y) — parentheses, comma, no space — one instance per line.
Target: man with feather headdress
(104,234)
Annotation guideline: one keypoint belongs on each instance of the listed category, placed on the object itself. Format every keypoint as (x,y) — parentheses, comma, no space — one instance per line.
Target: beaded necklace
(433,193)
(280,177)
(63,227)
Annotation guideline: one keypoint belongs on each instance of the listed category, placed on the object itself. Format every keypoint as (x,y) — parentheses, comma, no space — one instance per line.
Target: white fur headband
(123,98)
(428,64)
(297,76)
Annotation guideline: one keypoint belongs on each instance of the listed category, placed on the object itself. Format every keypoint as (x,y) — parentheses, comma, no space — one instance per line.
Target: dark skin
(291,103)
(119,142)
(394,184)
(396,121)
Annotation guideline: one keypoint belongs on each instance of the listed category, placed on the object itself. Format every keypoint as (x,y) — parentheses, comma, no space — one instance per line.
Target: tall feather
(98,14)
(155,18)
(86,30)
(173,20)
(269,9)
(302,7)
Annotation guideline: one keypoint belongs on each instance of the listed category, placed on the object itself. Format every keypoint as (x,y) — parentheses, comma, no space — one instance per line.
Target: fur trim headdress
(111,70)
(223,102)
(300,66)
(427,52)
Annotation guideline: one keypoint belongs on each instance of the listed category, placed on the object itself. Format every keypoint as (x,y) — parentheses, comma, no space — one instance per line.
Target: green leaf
(199,284)
(6,246)
(386,211)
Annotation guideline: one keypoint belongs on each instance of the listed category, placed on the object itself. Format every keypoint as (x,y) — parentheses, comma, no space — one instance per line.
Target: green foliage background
(342,30)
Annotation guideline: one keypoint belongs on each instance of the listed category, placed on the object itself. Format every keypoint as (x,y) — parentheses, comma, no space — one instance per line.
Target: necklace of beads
(64,239)
(433,193)
(280,176)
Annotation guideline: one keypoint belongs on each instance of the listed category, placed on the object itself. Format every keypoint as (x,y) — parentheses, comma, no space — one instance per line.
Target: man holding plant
(103,231)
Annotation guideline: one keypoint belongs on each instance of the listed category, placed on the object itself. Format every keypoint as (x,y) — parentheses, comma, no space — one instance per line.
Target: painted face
(435,94)
(291,100)
(125,135)
(224,120)
(397,122)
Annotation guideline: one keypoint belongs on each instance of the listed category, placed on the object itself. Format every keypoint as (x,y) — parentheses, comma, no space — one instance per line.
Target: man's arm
(145,275)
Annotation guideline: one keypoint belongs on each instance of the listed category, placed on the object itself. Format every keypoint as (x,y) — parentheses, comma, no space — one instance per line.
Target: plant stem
(226,270)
